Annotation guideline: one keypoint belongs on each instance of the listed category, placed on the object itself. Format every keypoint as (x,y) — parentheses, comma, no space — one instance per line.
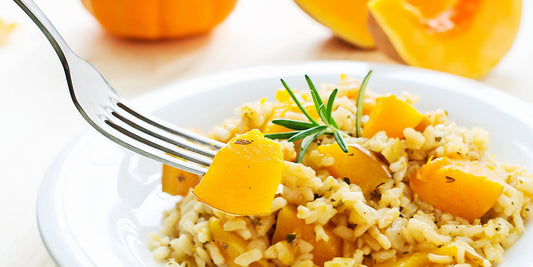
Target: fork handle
(39,18)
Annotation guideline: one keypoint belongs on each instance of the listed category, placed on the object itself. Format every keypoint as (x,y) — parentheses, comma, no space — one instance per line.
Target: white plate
(98,201)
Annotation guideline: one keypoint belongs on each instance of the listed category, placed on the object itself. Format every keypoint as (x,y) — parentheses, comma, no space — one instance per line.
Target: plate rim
(65,255)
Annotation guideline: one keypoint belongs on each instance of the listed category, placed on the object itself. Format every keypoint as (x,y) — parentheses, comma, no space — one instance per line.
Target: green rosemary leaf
(329,109)
(322,113)
(307,132)
(280,135)
(360,102)
(305,145)
(298,102)
(294,125)
(340,141)
(314,93)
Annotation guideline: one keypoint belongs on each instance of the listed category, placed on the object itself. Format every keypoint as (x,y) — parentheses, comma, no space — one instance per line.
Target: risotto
(320,219)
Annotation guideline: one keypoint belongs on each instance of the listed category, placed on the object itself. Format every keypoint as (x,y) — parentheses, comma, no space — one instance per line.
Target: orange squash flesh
(393,115)
(288,223)
(244,175)
(464,37)
(359,165)
(461,187)
(159,19)
(177,182)
(346,18)
(230,244)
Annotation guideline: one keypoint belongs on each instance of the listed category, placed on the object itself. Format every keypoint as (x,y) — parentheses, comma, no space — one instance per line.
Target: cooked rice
(391,224)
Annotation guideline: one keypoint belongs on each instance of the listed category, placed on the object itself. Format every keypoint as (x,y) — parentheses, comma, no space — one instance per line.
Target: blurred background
(38,117)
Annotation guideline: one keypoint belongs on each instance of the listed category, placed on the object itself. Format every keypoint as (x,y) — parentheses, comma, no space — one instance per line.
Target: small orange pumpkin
(159,19)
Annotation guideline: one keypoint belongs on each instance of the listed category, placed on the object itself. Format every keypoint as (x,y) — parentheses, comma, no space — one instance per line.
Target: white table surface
(38,118)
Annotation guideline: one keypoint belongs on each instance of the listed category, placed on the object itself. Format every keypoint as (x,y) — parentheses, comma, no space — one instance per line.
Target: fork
(110,114)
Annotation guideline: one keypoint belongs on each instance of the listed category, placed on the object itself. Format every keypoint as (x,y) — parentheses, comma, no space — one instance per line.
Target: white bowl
(98,201)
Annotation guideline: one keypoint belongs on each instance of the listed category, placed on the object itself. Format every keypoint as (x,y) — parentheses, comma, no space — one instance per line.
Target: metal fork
(109,113)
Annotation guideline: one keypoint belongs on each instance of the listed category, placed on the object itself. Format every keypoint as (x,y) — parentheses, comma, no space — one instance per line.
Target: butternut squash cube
(244,175)
(461,187)
(392,115)
(288,224)
(230,244)
(359,165)
(178,182)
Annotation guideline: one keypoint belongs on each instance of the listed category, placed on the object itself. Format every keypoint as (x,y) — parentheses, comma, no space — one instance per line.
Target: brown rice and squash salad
(413,189)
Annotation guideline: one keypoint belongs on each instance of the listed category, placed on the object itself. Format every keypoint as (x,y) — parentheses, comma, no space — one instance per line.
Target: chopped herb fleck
(450,179)
(290,237)
(374,194)
(242,142)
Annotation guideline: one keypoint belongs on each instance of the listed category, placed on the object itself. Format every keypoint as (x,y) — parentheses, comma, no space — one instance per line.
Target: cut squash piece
(230,244)
(289,227)
(393,115)
(463,37)
(464,188)
(244,175)
(178,182)
(359,165)
(346,18)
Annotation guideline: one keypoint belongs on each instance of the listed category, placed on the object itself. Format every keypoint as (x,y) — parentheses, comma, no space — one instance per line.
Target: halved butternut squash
(346,18)
(464,37)
(461,187)
(244,175)
(359,165)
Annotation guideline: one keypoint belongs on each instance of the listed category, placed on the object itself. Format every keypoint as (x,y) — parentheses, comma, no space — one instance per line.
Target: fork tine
(173,129)
(166,136)
(149,149)
(148,140)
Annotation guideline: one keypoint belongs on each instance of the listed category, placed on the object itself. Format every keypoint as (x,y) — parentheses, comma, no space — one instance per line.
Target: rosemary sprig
(309,131)
(360,102)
